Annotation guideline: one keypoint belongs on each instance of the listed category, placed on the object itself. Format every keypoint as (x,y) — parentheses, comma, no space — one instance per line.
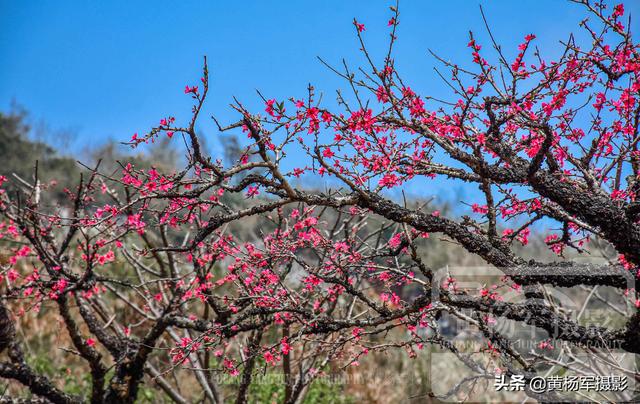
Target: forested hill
(19,153)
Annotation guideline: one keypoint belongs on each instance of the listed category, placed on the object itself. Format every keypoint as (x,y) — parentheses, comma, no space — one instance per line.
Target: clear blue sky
(109,69)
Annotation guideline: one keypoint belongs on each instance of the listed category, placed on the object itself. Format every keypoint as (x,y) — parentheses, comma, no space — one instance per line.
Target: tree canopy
(156,277)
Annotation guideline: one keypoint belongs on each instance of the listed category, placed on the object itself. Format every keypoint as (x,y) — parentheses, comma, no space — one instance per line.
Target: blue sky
(105,70)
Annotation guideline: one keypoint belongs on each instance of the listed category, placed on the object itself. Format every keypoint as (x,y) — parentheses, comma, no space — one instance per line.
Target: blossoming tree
(149,279)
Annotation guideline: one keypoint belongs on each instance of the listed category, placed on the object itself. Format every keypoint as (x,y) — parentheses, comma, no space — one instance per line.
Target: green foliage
(149,395)
(19,154)
(266,393)
(322,392)
(71,383)
(319,392)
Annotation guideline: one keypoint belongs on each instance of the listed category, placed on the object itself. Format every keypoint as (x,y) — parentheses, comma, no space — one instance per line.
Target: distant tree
(19,154)
(155,284)
(232,149)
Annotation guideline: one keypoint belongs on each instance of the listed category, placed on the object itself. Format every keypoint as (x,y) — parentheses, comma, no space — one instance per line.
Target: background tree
(15,145)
